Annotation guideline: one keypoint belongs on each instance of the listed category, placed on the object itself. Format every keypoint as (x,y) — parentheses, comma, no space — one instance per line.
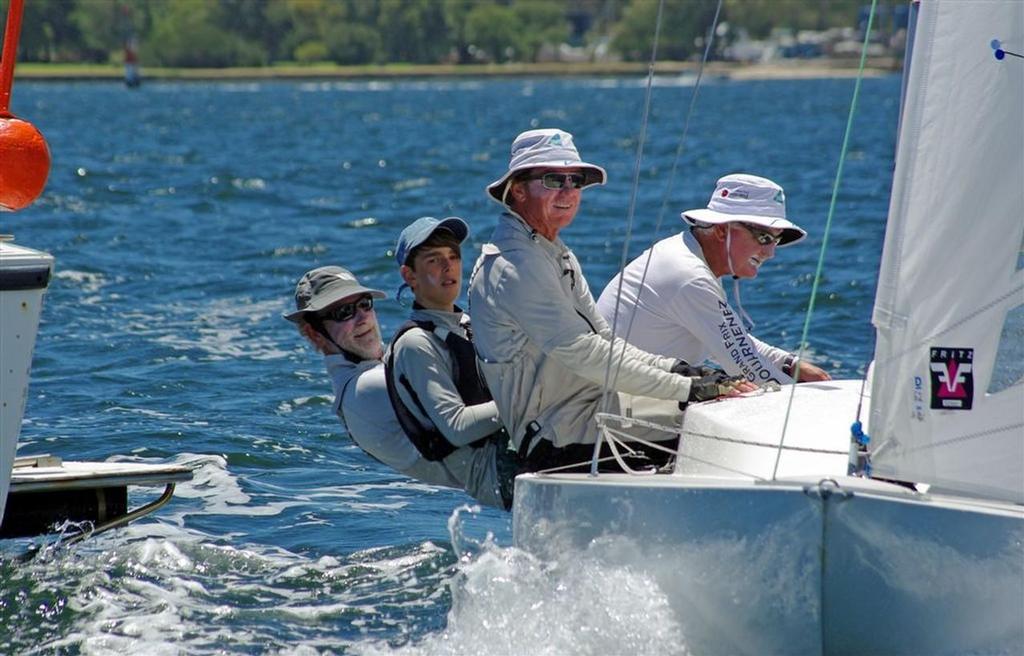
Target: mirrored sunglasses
(348,310)
(763,237)
(561,180)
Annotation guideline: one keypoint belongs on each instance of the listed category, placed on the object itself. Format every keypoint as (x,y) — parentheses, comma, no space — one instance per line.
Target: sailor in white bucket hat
(540,343)
(673,302)
(751,199)
(546,150)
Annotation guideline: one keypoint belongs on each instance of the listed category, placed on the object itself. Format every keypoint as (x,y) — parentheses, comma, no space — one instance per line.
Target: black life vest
(430,442)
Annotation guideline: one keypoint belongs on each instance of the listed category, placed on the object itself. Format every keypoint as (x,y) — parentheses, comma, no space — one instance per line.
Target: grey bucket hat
(324,286)
(546,148)
(748,199)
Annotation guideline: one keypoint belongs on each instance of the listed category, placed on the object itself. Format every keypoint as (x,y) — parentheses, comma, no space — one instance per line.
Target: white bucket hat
(546,148)
(747,199)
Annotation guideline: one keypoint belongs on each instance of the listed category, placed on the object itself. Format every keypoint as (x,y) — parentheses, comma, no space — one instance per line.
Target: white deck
(740,437)
(87,475)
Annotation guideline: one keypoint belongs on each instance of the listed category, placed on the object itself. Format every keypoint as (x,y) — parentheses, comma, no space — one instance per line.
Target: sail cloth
(949,271)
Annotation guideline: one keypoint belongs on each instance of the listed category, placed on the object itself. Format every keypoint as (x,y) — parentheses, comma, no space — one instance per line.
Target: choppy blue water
(181,215)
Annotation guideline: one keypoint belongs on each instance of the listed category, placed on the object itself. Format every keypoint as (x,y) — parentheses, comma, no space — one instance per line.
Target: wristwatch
(789,366)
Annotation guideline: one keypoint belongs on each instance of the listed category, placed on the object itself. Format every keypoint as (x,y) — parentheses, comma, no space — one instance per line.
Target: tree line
(221,33)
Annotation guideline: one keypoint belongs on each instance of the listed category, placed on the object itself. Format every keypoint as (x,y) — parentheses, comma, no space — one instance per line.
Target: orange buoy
(24,155)
(24,163)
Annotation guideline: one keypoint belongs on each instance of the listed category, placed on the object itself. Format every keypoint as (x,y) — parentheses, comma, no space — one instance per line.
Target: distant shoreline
(776,70)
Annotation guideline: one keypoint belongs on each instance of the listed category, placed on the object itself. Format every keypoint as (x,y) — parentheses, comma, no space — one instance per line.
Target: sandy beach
(775,70)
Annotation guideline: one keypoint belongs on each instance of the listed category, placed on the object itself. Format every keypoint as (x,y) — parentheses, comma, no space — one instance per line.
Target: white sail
(950,266)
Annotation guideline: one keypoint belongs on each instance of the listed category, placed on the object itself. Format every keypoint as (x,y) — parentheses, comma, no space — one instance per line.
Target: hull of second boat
(795,567)
(24,275)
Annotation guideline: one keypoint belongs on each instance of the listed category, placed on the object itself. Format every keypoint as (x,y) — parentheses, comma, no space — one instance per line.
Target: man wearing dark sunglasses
(335,314)
(673,302)
(542,346)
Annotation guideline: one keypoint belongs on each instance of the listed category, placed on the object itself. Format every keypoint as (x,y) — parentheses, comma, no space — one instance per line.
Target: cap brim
(791,232)
(595,175)
(456,226)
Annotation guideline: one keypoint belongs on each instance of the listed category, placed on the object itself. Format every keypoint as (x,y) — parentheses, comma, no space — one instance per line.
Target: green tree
(413,30)
(352,43)
(261,23)
(188,34)
(494,30)
(455,14)
(543,23)
(684,23)
(103,27)
(47,32)
(760,17)
(323,26)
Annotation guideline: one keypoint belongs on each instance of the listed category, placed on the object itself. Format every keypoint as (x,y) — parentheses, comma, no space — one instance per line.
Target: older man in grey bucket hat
(543,348)
(335,313)
(673,302)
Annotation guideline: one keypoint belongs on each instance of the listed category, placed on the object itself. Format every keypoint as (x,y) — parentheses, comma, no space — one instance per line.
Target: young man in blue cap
(439,397)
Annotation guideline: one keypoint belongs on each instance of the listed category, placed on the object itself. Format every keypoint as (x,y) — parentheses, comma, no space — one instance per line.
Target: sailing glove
(684,368)
(710,387)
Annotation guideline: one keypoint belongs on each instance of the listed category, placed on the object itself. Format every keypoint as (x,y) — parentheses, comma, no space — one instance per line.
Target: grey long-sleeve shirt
(543,347)
(423,359)
(361,402)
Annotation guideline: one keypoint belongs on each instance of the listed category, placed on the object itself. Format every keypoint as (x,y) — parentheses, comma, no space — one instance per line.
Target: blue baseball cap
(420,230)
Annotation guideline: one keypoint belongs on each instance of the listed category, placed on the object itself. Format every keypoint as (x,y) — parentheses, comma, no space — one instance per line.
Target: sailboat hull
(844,566)
(24,276)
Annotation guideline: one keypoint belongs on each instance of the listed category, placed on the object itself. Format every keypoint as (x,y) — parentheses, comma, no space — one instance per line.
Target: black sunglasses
(763,237)
(561,180)
(345,312)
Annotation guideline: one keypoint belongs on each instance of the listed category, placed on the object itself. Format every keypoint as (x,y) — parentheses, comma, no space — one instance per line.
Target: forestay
(949,271)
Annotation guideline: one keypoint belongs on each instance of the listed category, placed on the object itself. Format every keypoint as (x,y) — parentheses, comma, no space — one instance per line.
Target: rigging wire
(606,390)
(671,178)
(828,228)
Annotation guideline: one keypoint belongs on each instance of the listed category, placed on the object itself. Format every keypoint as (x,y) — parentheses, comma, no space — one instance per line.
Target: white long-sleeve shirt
(681,311)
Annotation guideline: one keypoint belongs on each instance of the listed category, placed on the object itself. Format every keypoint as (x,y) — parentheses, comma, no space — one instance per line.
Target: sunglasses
(345,312)
(763,237)
(561,180)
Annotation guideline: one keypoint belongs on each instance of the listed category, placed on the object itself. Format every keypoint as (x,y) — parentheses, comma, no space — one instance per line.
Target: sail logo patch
(952,374)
